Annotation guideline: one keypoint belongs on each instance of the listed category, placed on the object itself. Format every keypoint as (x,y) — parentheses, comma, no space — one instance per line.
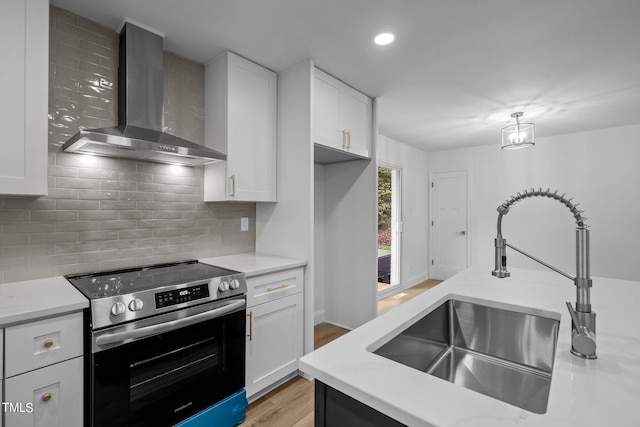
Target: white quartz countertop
(33,299)
(254,263)
(583,392)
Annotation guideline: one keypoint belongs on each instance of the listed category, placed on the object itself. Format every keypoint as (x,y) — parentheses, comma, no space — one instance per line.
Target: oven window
(166,378)
(155,378)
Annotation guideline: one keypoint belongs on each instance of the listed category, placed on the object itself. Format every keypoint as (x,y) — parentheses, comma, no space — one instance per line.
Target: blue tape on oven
(226,413)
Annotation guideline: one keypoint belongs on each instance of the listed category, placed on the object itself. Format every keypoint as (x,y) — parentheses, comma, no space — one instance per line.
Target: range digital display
(178,296)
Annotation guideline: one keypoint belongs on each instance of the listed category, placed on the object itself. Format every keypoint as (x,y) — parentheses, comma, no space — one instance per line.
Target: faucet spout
(583,328)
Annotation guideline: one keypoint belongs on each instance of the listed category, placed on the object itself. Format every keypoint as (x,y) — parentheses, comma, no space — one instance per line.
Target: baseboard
(274,385)
(414,281)
(318,317)
(338,325)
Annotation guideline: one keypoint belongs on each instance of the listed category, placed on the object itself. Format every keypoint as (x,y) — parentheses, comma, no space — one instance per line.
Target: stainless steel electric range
(164,345)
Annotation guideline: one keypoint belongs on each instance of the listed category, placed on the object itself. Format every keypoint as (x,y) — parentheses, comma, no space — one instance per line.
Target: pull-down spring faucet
(583,327)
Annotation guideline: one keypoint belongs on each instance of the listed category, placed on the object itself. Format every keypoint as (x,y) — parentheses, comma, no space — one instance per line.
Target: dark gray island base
(336,409)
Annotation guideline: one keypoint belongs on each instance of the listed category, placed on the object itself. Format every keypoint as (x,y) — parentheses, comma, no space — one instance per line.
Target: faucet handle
(583,335)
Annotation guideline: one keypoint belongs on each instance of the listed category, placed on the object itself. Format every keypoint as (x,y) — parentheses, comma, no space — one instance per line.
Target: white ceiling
(457,70)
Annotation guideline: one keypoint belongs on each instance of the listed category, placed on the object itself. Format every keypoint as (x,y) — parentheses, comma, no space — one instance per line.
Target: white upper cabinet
(24,45)
(342,116)
(240,103)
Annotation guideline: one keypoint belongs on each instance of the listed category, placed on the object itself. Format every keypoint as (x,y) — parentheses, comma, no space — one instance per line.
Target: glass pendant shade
(520,135)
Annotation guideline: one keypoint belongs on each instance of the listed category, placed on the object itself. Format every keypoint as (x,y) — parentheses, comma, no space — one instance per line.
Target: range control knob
(234,284)
(118,308)
(135,304)
(223,286)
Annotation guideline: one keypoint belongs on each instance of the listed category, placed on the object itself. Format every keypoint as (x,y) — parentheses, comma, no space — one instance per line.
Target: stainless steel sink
(502,351)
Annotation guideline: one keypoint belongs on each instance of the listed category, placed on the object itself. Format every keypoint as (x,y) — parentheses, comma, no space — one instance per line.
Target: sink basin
(502,351)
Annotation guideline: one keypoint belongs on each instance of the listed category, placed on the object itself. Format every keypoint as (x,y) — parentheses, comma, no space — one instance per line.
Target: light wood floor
(291,404)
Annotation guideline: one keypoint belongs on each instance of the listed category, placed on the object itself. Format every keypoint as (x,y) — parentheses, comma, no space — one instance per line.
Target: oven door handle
(147,331)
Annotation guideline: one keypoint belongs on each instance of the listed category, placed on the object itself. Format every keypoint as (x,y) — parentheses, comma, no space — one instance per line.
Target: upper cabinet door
(251,134)
(241,121)
(24,41)
(328,126)
(342,116)
(357,121)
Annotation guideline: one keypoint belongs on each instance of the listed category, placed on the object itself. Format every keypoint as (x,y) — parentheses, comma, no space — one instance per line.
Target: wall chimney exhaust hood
(139,134)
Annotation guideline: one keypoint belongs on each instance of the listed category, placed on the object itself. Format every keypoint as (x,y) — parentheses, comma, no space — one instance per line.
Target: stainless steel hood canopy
(139,135)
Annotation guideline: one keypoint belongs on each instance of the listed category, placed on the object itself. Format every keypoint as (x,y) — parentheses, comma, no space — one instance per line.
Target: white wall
(318,242)
(415,215)
(599,169)
(285,228)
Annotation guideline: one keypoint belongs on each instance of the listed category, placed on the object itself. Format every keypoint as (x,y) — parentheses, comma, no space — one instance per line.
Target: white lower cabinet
(274,334)
(47,397)
(43,372)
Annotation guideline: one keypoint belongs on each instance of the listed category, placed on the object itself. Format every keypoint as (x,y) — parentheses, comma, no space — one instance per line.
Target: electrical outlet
(244,224)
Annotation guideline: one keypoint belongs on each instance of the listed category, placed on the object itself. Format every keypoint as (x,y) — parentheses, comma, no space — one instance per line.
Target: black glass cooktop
(118,282)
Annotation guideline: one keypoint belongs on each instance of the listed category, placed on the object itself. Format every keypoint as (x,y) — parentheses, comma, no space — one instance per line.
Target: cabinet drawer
(50,396)
(41,343)
(269,287)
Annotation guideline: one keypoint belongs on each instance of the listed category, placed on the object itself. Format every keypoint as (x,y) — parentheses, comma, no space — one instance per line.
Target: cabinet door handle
(233,185)
(47,343)
(46,397)
(275,288)
(344,139)
(349,139)
(250,326)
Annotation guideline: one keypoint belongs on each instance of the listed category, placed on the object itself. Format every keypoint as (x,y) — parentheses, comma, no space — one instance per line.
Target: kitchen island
(583,392)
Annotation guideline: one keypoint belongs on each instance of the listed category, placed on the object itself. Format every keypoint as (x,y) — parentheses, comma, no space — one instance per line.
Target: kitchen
(104,214)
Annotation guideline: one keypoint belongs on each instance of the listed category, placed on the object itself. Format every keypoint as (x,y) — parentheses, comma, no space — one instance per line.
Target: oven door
(160,371)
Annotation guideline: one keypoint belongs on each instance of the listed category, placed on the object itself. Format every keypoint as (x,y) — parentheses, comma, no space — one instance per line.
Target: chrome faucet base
(583,356)
(501,273)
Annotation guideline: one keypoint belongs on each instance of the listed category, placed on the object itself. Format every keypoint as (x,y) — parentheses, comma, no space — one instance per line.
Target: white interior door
(448,224)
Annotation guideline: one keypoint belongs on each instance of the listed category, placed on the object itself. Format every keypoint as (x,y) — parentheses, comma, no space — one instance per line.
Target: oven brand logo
(17,407)
(180,408)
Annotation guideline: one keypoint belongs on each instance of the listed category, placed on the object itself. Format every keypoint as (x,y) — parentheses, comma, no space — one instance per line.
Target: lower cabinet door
(274,341)
(46,397)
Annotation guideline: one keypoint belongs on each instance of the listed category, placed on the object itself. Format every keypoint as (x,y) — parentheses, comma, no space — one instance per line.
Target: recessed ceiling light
(383,39)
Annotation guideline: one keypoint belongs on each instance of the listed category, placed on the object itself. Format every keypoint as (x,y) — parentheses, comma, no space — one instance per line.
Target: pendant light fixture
(520,135)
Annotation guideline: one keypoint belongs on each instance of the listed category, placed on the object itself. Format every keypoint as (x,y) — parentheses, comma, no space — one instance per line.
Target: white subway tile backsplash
(14,240)
(94,215)
(64,237)
(85,236)
(64,182)
(77,247)
(18,253)
(103,213)
(77,226)
(65,204)
(118,225)
(134,234)
(97,195)
(37,215)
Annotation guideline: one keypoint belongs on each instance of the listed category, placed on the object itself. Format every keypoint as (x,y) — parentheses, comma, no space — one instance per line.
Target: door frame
(431,216)
(398,252)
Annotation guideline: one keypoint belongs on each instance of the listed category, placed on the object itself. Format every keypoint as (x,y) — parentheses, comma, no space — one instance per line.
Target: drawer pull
(275,288)
(47,343)
(46,397)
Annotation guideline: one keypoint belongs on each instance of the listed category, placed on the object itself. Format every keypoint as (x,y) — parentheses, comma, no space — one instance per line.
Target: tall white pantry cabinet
(24,45)
(349,217)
